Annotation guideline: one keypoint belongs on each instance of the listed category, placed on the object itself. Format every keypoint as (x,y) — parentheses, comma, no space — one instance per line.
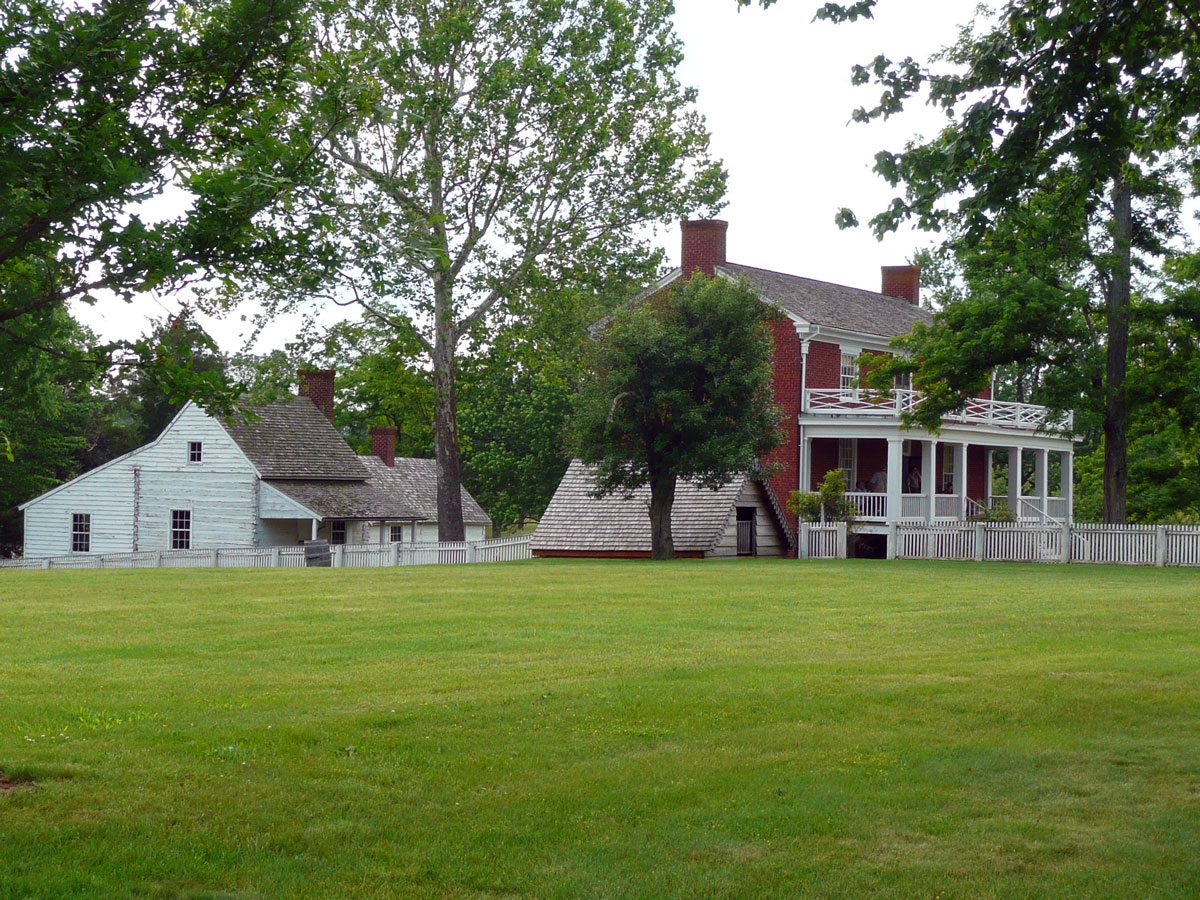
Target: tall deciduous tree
(108,104)
(498,138)
(679,387)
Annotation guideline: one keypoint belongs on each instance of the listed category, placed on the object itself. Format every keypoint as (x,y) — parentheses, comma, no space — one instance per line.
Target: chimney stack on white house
(383,443)
(317,386)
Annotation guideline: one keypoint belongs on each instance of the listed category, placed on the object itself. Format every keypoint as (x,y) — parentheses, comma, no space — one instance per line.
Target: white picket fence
(1129,545)
(359,556)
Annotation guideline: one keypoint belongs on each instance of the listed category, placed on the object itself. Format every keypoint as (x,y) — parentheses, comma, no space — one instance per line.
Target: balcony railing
(1003,413)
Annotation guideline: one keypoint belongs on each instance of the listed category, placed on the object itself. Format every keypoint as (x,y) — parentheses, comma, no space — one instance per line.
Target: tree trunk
(1116,404)
(662,497)
(445,422)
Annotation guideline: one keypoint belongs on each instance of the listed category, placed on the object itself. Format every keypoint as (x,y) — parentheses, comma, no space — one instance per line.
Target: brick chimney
(383,443)
(317,386)
(903,281)
(703,245)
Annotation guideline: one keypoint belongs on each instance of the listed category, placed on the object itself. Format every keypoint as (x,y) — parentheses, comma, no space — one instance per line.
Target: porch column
(960,479)
(316,524)
(929,451)
(1014,480)
(895,477)
(991,477)
(1041,479)
(1067,482)
(805,484)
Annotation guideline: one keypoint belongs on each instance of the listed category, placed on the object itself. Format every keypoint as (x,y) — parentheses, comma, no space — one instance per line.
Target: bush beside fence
(344,556)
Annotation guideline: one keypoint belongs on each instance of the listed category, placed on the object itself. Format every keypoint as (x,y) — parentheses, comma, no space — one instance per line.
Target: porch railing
(1002,413)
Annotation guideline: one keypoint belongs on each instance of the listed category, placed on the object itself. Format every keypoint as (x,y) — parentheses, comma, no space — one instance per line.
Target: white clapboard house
(286,477)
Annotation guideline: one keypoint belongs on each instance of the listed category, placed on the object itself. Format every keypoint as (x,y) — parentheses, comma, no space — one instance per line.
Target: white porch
(926,479)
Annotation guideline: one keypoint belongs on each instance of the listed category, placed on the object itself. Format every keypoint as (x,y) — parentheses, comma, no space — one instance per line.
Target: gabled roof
(413,483)
(832,305)
(292,439)
(577,521)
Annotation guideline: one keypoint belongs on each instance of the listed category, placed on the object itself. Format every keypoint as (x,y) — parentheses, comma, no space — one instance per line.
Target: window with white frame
(195,451)
(397,534)
(337,533)
(947,468)
(849,371)
(81,532)
(847,460)
(181,529)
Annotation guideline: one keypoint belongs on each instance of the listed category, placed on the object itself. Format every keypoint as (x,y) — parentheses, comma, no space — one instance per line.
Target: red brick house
(895,474)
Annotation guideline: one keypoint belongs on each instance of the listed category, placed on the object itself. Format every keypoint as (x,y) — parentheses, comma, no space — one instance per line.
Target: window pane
(181,529)
(397,533)
(195,451)
(81,532)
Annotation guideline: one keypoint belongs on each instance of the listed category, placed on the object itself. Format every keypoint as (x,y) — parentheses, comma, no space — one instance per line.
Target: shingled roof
(577,521)
(346,499)
(413,482)
(832,305)
(292,439)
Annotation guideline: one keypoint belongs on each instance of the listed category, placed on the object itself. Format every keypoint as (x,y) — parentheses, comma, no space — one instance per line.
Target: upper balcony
(1001,413)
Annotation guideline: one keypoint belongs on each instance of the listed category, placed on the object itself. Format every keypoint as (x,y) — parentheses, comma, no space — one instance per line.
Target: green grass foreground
(563,729)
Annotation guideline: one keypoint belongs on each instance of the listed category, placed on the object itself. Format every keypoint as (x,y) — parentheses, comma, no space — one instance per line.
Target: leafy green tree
(49,401)
(497,141)
(111,104)
(1069,148)
(678,387)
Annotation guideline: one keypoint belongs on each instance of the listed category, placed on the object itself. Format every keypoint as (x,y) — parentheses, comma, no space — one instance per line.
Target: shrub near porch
(592,729)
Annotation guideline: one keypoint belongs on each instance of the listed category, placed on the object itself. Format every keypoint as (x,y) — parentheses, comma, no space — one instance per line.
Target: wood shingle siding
(575,522)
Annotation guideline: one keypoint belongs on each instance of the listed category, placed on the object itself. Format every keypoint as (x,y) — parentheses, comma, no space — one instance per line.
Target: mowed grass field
(586,729)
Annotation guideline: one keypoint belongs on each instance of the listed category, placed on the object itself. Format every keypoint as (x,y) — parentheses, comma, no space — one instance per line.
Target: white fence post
(802,548)
(842,539)
(337,556)
(471,552)
(891,540)
(1160,545)
(215,557)
(276,556)
(395,554)
(1066,542)
(980,541)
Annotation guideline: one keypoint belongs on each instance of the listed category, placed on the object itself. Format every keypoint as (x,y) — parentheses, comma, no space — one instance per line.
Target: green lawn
(561,729)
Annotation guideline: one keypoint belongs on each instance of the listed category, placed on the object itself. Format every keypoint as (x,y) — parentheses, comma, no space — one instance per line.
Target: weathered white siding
(220,491)
(770,540)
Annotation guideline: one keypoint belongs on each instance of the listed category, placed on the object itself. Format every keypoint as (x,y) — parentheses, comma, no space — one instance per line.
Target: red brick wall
(977,474)
(824,458)
(703,245)
(824,365)
(785,459)
(317,386)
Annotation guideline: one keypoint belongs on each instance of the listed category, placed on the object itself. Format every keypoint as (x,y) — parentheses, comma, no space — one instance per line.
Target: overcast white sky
(775,89)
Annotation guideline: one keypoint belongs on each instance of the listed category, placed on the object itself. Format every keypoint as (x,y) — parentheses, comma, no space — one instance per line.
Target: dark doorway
(747,545)
(869,546)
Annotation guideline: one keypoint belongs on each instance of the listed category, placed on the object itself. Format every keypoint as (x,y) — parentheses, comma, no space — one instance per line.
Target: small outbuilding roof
(579,522)
(832,305)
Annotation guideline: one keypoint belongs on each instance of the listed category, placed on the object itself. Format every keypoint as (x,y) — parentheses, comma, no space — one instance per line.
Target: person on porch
(878,483)
(914,480)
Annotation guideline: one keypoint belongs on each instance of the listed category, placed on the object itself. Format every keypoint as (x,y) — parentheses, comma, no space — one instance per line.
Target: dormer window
(195,451)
